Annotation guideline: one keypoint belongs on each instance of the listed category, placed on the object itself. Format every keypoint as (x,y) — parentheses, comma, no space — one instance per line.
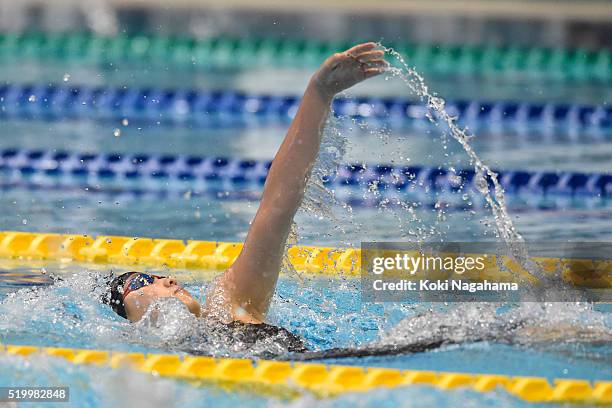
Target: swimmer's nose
(170,281)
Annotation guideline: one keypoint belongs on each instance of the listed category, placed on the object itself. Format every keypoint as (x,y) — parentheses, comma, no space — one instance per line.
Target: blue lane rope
(48,101)
(181,170)
(516,204)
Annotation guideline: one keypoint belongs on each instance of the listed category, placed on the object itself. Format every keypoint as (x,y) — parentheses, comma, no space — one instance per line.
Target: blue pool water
(326,312)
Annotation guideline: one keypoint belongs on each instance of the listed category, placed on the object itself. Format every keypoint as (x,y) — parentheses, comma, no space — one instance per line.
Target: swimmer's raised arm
(245,290)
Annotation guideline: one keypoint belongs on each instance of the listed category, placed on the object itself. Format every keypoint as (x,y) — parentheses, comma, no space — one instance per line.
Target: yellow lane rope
(170,253)
(290,379)
(138,251)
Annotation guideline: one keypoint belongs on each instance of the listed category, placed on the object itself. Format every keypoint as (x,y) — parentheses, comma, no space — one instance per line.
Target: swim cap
(114,297)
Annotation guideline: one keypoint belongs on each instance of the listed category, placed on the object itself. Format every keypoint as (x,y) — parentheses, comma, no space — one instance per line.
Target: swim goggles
(137,281)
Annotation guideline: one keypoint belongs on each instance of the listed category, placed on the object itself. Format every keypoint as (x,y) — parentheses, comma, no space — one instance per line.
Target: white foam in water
(167,319)
(69,313)
(525,323)
(69,309)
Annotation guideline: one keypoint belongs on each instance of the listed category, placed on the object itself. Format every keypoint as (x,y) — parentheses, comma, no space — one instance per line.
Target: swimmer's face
(138,301)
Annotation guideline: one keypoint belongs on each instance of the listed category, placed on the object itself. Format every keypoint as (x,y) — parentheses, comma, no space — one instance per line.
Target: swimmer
(240,297)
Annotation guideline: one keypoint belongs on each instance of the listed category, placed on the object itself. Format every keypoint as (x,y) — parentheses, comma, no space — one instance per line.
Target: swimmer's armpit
(249,284)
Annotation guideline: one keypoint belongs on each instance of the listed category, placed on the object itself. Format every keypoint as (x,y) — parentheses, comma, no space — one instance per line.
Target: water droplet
(24,221)
(117,132)
(32,98)
(481,183)
(454,179)
(66,77)
(125,122)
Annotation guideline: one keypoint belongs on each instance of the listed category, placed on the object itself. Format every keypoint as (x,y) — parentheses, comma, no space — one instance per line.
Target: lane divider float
(139,252)
(183,171)
(419,200)
(512,62)
(287,379)
(199,107)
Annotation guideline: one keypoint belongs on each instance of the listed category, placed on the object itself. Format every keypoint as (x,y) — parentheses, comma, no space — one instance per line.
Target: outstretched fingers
(370,59)
(361,48)
(370,72)
(370,55)
(375,67)
(376,64)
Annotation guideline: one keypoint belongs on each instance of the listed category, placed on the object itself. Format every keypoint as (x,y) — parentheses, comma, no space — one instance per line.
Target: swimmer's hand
(246,288)
(345,69)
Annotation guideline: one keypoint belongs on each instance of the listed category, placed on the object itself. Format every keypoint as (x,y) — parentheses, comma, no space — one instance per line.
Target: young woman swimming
(238,300)
(241,296)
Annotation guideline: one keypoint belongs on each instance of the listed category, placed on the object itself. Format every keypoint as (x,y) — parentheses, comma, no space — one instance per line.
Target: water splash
(438,114)
(465,322)
(322,203)
(70,313)
(318,199)
(527,323)
(286,264)
(326,314)
(70,309)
